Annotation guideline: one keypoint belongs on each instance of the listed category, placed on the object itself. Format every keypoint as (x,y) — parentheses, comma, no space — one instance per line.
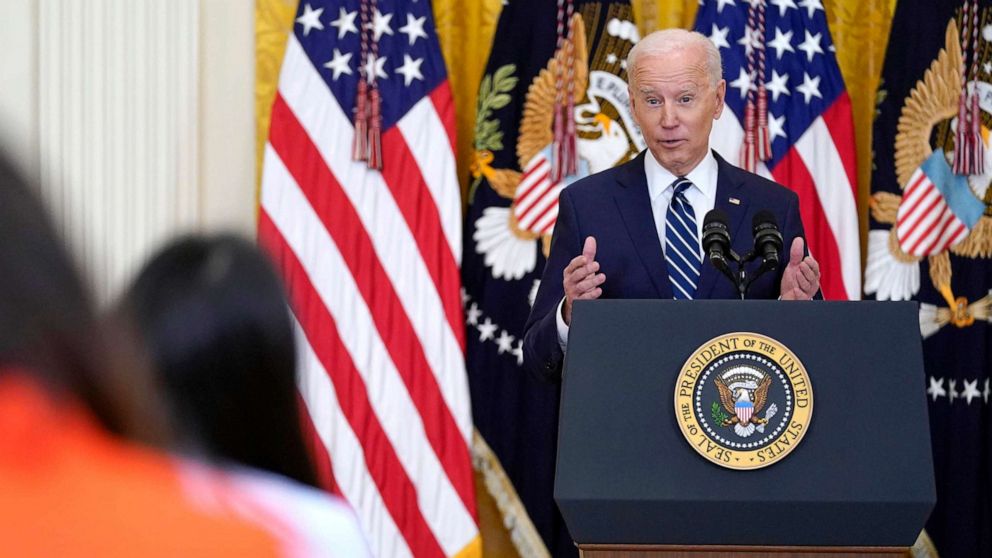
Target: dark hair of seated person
(214,318)
(49,330)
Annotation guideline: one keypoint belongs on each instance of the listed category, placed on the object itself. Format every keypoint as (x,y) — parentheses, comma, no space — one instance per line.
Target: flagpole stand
(673,551)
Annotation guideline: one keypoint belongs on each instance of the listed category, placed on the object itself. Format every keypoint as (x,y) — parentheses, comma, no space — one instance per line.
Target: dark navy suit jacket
(614,207)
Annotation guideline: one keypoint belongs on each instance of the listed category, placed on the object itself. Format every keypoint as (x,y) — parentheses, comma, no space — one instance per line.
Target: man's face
(675,106)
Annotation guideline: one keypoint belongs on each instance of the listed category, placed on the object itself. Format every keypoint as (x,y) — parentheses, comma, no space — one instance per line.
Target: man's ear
(631,97)
(721,92)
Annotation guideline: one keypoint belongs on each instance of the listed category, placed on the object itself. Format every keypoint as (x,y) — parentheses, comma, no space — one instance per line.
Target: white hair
(669,40)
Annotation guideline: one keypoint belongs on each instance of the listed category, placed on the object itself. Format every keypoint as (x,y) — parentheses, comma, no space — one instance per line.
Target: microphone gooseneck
(767,239)
(717,245)
(716,235)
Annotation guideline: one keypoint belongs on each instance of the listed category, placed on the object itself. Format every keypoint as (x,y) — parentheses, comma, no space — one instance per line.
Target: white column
(19,79)
(118,127)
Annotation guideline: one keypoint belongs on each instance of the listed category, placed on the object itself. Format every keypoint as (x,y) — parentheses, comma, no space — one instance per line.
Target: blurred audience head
(213,316)
(48,327)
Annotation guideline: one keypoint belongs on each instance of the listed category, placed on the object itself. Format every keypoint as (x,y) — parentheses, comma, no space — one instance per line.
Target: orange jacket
(69,489)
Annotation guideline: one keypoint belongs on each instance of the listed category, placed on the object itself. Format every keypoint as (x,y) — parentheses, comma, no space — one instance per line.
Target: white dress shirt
(701,195)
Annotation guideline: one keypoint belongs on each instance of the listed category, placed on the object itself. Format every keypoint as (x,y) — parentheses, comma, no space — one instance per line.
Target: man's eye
(686,99)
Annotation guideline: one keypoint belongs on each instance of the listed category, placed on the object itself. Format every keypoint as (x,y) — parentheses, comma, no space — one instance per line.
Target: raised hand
(581,278)
(801,278)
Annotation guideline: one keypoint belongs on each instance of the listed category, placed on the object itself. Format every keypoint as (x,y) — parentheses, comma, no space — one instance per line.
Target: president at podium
(635,231)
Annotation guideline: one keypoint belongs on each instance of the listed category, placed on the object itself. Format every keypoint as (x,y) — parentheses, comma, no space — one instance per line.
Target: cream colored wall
(137,116)
(227,111)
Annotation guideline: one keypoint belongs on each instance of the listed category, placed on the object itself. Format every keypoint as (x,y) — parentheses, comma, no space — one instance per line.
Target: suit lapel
(634,203)
(728,186)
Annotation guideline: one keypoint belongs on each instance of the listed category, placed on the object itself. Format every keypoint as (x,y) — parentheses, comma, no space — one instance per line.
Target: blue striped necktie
(681,244)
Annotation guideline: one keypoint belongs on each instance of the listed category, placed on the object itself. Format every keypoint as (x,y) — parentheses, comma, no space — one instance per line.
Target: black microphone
(716,241)
(767,239)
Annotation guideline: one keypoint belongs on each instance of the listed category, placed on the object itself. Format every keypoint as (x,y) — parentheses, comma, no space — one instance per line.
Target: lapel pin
(735,201)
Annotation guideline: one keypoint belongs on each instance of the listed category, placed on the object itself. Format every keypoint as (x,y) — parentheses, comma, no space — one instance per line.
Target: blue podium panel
(862,475)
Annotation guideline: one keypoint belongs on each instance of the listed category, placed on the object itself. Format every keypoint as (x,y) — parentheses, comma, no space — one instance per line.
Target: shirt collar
(703,176)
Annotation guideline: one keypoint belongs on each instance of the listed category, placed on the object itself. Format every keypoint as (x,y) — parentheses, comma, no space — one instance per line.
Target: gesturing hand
(801,278)
(581,279)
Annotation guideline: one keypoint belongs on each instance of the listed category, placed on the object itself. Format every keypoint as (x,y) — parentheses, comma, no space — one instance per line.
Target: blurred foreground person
(70,485)
(214,319)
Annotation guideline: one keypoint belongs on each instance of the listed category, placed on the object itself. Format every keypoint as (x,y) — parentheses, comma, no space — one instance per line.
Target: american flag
(370,259)
(809,120)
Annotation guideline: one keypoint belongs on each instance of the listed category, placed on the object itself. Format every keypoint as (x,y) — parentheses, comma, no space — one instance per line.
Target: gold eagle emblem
(729,398)
(536,130)
(928,114)
(605,135)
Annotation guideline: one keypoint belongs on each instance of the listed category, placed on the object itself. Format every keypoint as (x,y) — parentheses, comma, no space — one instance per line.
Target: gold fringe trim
(472,550)
(273,24)
(924,547)
(522,531)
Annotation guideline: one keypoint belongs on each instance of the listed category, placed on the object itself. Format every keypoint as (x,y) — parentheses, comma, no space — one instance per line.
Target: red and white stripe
(744,412)
(925,225)
(536,201)
(371,261)
(820,167)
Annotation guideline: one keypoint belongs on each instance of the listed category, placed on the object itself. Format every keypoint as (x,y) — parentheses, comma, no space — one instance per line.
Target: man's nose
(668,117)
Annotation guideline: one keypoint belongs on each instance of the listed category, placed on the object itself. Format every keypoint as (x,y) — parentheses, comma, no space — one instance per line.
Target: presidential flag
(548,58)
(360,208)
(931,241)
(789,119)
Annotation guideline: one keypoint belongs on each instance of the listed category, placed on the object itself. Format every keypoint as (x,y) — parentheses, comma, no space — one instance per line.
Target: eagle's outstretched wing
(761,394)
(726,397)
(535,126)
(934,98)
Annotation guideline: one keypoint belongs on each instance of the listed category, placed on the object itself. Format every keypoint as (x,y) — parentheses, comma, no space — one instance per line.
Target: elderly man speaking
(633,231)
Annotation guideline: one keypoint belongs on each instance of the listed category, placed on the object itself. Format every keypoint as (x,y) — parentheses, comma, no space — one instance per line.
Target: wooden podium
(663,551)
(630,485)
